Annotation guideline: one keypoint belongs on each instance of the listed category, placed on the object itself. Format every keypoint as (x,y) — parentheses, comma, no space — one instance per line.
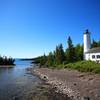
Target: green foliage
(6,61)
(79,52)
(70,51)
(84,66)
(60,59)
(40,60)
(37,59)
(99,43)
(50,59)
(59,54)
(43,60)
(95,44)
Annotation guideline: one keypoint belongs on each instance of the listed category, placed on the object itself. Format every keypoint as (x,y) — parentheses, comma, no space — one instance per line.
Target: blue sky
(28,28)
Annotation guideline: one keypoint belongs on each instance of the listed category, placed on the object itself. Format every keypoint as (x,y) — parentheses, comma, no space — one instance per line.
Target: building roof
(94,50)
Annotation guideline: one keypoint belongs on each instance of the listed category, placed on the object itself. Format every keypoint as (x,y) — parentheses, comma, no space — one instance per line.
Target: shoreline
(74,84)
(46,90)
(7,66)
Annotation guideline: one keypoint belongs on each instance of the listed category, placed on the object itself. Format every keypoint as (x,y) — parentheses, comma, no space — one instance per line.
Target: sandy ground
(77,85)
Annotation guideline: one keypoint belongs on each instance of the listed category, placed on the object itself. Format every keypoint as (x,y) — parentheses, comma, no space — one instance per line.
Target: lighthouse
(87,43)
(92,54)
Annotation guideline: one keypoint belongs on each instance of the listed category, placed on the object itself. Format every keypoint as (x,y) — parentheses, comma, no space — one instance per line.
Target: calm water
(17,84)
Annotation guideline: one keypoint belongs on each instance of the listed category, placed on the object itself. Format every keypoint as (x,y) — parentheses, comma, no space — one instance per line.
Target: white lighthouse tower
(87,43)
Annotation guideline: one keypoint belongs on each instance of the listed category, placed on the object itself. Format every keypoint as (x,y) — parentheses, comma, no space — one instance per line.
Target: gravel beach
(76,85)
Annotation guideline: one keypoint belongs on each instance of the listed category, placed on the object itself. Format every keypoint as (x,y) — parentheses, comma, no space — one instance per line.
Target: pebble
(85,98)
(75,84)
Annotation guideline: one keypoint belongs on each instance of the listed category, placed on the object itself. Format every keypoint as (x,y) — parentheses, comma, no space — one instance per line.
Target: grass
(84,66)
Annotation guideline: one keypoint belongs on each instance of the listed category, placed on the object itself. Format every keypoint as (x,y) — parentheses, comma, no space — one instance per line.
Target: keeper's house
(92,54)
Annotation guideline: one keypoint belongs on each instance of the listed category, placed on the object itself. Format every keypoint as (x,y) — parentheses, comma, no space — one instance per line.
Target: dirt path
(77,85)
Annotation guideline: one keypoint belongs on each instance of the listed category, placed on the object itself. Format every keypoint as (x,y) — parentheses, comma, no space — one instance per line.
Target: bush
(84,66)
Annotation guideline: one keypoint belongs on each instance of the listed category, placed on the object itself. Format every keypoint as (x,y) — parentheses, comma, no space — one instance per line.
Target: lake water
(17,84)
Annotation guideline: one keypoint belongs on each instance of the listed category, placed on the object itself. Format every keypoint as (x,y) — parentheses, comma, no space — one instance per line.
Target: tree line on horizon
(61,56)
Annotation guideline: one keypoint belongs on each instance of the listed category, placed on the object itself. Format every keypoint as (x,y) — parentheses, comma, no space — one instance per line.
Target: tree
(94,44)
(59,54)
(99,43)
(6,61)
(79,52)
(50,59)
(43,60)
(70,51)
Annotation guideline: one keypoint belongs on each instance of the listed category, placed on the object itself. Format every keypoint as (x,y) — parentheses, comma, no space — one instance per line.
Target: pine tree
(59,54)
(43,60)
(94,44)
(79,52)
(99,43)
(70,51)
(50,59)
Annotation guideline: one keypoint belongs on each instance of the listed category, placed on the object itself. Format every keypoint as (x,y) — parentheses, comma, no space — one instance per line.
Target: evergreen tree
(79,52)
(62,53)
(94,44)
(70,51)
(50,59)
(99,43)
(59,54)
(6,61)
(43,60)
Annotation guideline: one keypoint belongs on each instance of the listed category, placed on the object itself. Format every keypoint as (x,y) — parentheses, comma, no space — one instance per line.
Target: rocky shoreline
(45,90)
(76,85)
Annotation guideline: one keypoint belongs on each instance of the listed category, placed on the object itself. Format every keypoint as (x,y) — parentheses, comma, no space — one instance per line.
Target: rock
(45,78)
(90,79)
(15,98)
(75,84)
(81,75)
(85,98)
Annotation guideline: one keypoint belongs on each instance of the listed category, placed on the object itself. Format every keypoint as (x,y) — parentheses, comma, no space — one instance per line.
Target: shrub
(84,66)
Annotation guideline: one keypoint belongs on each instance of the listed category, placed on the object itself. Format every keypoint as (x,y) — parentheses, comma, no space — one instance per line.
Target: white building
(92,54)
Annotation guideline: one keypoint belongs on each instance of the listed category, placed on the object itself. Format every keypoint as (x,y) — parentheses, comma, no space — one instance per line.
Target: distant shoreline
(25,59)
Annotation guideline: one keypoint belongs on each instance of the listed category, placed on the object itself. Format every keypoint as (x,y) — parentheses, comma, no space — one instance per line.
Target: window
(98,56)
(93,56)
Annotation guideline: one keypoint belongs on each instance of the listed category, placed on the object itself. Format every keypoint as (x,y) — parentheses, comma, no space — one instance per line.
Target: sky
(30,28)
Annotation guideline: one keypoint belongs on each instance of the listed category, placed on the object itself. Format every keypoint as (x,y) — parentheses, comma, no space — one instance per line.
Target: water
(16,81)
(17,84)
